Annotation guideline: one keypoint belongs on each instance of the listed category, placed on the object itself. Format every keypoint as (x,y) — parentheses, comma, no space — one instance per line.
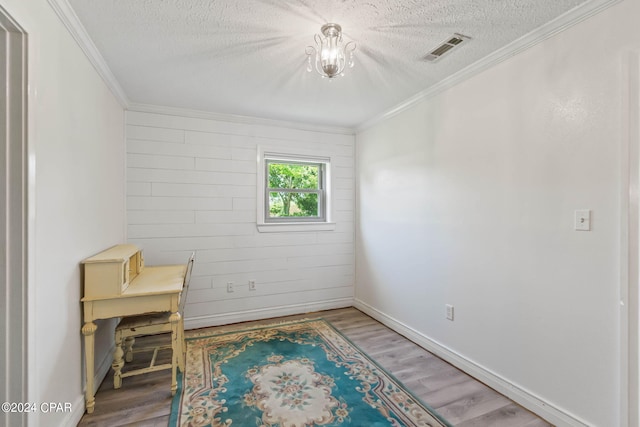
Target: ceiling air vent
(446,46)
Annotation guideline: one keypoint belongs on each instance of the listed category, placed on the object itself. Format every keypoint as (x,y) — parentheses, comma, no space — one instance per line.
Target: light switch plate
(449,309)
(583,220)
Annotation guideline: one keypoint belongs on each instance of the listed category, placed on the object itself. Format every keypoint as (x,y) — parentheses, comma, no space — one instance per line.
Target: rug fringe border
(211,331)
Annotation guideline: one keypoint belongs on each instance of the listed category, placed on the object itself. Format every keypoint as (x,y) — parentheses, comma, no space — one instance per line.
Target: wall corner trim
(544,409)
(71,21)
(536,36)
(234,118)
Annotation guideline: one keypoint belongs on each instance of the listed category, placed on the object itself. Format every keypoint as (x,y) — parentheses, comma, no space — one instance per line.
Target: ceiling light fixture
(330,52)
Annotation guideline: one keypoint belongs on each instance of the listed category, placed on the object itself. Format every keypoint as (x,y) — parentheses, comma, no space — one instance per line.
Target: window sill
(296,226)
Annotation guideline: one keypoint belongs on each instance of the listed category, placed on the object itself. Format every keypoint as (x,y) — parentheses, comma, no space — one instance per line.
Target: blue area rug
(293,374)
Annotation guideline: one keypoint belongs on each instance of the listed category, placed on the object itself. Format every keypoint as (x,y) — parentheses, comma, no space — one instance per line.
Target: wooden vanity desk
(117,284)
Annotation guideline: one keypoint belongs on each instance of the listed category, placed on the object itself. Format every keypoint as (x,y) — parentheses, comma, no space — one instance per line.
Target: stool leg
(128,348)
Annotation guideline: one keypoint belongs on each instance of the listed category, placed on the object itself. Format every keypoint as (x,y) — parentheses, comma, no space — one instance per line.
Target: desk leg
(118,363)
(176,348)
(183,347)
(89,330)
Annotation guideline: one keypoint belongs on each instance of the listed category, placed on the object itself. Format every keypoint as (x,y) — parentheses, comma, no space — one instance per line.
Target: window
(293,193)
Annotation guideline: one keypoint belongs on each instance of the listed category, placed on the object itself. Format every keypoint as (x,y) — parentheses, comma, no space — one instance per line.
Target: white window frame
(264,224)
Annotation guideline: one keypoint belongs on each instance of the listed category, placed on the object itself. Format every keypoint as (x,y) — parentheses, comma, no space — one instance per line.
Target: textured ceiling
(246,57)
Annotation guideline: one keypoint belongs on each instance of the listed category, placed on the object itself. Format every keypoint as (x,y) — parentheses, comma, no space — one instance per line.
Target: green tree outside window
(294,189)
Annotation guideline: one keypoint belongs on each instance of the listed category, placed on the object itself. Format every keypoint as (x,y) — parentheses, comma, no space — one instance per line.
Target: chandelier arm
(341,66)
(318,65)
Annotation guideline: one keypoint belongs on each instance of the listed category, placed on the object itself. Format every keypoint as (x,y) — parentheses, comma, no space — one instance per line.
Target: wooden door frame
(14,189)
(630,245)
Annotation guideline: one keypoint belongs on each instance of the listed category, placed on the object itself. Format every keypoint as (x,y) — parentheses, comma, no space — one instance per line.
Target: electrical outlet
(449,308)
(229,286)
(252,285)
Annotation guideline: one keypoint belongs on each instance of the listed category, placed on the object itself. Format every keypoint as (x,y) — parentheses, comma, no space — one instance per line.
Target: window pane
(293,176)
(291,204)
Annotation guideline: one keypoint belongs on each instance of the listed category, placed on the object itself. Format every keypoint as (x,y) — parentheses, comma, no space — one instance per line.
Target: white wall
(468,199)
(191,186)
(76,151)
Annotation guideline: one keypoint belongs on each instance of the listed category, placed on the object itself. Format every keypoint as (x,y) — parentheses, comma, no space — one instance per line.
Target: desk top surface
(152,280)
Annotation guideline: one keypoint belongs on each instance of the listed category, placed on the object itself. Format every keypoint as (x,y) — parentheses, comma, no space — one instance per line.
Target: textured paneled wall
(191,186)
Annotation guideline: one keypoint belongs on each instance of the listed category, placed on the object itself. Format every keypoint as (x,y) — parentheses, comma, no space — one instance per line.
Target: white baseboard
(245,316)
(544,409)
(78,406)
(539,406)
(103,368)
(77,411)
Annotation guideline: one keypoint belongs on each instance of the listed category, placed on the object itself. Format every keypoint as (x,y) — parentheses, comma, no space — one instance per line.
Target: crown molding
(234,118)
(70,20)
(536,36)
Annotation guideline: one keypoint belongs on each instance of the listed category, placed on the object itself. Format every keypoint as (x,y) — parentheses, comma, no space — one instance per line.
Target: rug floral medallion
(294,374)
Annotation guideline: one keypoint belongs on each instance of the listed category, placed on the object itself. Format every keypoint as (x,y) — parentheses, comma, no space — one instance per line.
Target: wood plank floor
(145,400)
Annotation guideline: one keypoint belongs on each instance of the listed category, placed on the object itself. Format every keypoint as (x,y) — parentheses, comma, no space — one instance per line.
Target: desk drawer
(119,307)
